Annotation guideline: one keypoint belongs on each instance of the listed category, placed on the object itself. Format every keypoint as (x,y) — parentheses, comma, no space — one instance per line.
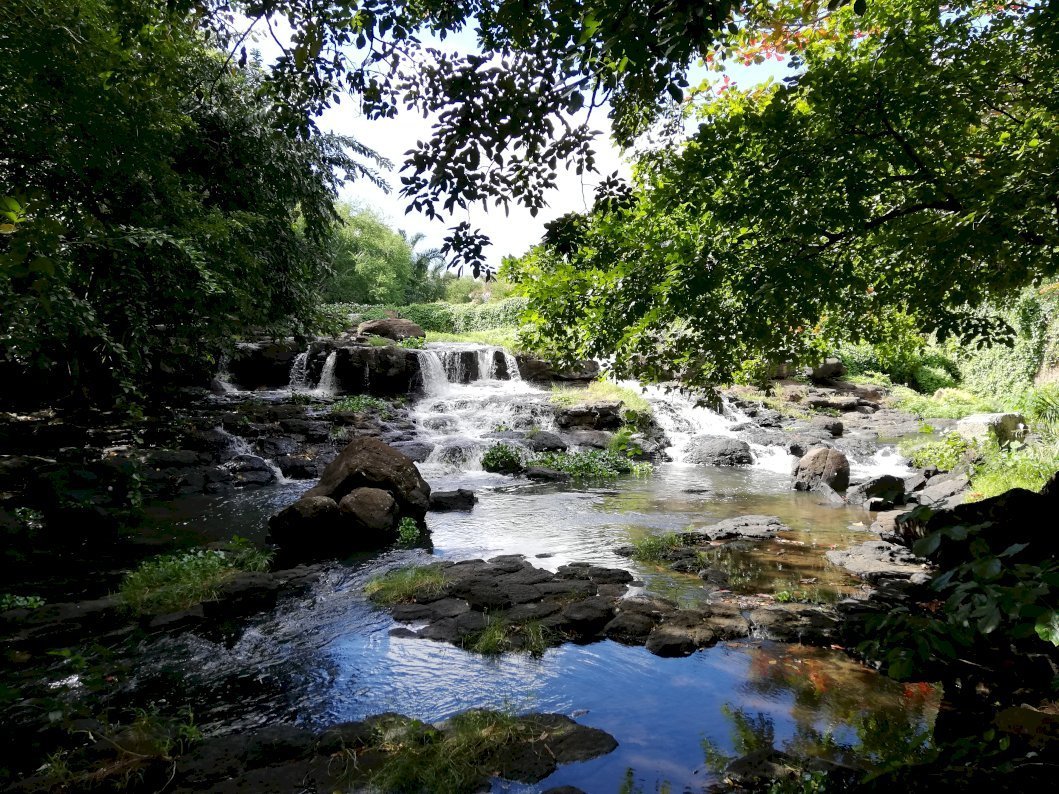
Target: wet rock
(389,371)
(718,451)
(587,618)
(370,509)
(807,623)
(822,465)
(596,439)
(456,452)
(749,527)
(543,441)
(440,422)
(460,499)
(544,474)
(417,451)
(631,628)
(828,494)
(1000,427)
(392,328)
(298,467)
(250,470)
(681,634)
(832,427)
(593,416)
(884,492)
(369,463)
(263,365)
(878,560)
(536,369)
(944,491)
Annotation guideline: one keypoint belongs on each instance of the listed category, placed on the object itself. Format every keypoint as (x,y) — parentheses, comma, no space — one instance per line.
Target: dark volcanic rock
(392,327)
(369,463)
(389,371)
(460,499)
(749,527)
(718,451)
(536,369)
(263,365)
(888,490)
(592,416)
(877,560)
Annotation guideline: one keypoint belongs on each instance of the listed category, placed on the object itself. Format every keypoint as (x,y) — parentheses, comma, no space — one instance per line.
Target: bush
(502,459)
(929,379)
(361,403)
(1027,466)
(408,532)
(946,454)
(943,404)
(594,464)
(1041,404)
(172,582)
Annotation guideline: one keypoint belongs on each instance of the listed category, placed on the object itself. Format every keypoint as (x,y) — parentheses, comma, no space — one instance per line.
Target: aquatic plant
(172,582)
(407,585)
(622,444)
(361,403)
(408,532)
(502,459)
(413,343)
(12,601)
(592,464)
(656,548)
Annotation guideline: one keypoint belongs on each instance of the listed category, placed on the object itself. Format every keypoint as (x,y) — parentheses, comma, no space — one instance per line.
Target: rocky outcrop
(263,365)
(537,369)
(718,451)
(880,493)
(590,416)
(460,499)
(389,371)
(822,464)
(355,506)
(1001,427)
(876,561)
(395,328)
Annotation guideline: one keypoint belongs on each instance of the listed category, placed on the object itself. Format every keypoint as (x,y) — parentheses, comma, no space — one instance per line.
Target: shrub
(408,532)
(945,454)
(929,379)
(12,601)
(1027,466)
(600,391)
(500,635)
(593,464)
(172,582)
(413,343)
(502,459)
(361,403)
(943,404)
(1041,404)
(622,444)
(407,585)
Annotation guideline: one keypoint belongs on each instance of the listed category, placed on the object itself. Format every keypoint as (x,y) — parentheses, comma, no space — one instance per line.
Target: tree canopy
(909,171)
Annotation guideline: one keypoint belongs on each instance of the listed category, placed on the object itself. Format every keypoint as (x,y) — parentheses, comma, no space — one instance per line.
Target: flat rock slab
(686,555)
(877,561)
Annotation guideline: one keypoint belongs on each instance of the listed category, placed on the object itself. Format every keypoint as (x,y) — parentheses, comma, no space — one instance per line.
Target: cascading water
(326,386)
(299,374)
(238,446)
(435,381)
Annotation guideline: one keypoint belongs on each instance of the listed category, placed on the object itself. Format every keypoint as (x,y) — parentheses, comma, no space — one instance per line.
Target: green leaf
(1047,627)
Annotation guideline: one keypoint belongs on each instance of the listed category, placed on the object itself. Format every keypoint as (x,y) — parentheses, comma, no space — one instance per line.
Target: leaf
(8,228)
(927,545)
(1047,627)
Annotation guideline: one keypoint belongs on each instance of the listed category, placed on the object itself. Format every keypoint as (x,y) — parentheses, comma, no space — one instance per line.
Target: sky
(512,233)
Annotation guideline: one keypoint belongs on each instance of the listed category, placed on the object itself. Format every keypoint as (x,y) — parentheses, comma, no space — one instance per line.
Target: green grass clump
(458,756)
(361,403)
(943,404)
(1040,404)
(656,548)
(499,636)
(380,341)
(172,582)
(1027,466)
(502,459)
(407,585)
(413,343)
(592,464)
(408,532)
(946,454)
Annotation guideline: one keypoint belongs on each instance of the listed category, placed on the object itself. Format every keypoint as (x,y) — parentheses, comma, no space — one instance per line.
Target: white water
(299,375)
(238,445)
(326,386)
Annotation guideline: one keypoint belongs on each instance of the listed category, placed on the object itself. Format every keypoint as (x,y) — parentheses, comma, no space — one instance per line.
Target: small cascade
(455,366)
(435,380)
(681,418)
(224,377)
(299,374)
(326,386)
(237,445)
(487,363)
(513,372)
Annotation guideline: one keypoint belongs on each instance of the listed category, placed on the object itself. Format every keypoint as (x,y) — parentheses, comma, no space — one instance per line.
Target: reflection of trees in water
(891,721)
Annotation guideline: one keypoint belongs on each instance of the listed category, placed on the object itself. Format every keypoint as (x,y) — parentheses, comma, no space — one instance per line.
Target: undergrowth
(407,585)
(592,464)
(655,548)
(943,404)
(361,403)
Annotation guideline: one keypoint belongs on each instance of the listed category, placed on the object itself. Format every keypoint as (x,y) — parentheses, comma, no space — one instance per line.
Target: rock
(828,369)
(536,369)
(596,439)
(751,527)
(877,560)
(456,452)
(885,492)
(884,524)
(1001,427)
(543,441)
(592,416)
(250,470)
(369,508)
(631,628)
(543,474)
(831,426)
(263,365)
(944,491)
(389,371)
(395,328)
(822,465)
(829,494)
(794,622)
(460,499)
(829,399)
(590,616)
(684,633)
(718,451)
(309,516)
(369,463)
(417,451)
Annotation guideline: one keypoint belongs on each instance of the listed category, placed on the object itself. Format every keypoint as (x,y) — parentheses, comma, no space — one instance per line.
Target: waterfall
(224,377)
(487,363)
(326,386)
(435,381)
(299,376)
(237,445)
(455,370)
(512,366)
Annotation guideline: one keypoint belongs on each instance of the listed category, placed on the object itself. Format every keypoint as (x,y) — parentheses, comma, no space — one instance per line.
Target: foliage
(600,391)
(591,464)
(156,202)
(656,548)
(622,443)
(943,404)
(172,582)
(438,317)
(500,635)
(1027,466)
(1041,404)
(407,585)
(503,459)
(408,531)
(945,455)
(362,403)
(413,343)
(456,758)
(12,601)
(799,215)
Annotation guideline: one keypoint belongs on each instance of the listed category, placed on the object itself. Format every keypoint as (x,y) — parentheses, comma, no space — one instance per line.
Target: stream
(327,656)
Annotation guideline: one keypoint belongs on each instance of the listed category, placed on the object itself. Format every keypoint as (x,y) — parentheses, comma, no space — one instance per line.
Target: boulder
(263,365)
(536,369)
(1002,427)
(878,560)
(745,527)
(309,516)
(884,492)
(369,508)
(718,451)
(592,416)
(389,371)
(829,368)
(367,462)
(822,464)
(395,328)
(460,499)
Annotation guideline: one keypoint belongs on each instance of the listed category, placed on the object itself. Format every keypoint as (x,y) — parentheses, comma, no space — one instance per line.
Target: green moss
(173,582)
(407,585)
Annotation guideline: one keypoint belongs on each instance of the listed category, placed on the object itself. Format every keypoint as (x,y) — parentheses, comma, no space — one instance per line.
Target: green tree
(370,262)
(908,172)
(155,201)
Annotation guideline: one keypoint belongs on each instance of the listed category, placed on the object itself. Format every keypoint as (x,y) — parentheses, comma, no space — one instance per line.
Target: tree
(371,263)
(909,171)
(155,201)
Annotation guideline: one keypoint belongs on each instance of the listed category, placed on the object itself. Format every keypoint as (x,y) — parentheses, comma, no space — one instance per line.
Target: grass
(173,582)
(458,756)
(499,635)
(656,548)
(592,464)
(407,585)
(943,404)
(1027,466)
(946,454)
(599,391)
(12,601)
(497,337)
(362,403)
(380,341)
